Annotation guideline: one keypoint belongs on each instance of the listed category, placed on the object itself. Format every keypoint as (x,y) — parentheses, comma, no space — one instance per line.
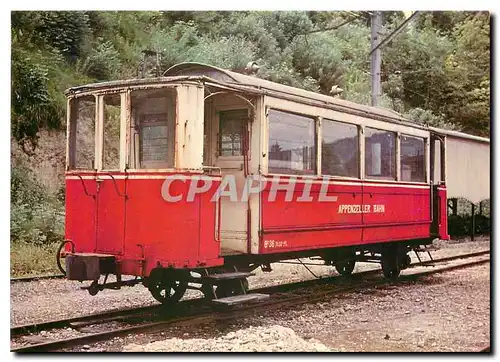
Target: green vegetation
(436,71)
(439,65)
(36,224)
(27,259)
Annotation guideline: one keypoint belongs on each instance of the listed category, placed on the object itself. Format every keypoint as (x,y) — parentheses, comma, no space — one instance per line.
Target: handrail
(116,187)
(84,187)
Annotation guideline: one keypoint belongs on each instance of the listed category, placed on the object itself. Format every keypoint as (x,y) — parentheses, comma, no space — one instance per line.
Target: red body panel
(364,213)
(111,216)
(442,217)
(127,216)
(143,226)
(81,206)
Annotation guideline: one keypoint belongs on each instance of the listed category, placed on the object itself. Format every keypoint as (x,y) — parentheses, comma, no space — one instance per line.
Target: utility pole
(375,56)
(377,45)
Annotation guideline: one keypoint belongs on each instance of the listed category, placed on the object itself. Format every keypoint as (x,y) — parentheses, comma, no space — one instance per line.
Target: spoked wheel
(390,263)
(345,268)
(167,289)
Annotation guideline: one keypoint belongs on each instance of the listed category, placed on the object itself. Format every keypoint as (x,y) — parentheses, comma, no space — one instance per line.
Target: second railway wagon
(197,178)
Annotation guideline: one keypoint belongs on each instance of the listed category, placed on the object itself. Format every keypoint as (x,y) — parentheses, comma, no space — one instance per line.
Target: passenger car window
(292,143)
(380,154)
(340,149)
(111,132)
(82,133)
(412,159)
(232,125)
(153,132)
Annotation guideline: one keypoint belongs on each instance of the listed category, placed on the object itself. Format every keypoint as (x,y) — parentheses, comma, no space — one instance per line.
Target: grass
(27,259)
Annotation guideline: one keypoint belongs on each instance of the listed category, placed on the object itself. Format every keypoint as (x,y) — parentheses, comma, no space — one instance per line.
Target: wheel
(208,291)
(167,291)
(345,268)
(404,261)
(390,263)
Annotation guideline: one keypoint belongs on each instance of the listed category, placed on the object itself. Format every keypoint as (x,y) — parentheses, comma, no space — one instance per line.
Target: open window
(82,124)
(152,139)
(111,131)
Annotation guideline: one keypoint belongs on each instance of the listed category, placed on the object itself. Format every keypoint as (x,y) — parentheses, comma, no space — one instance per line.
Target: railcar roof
(207,73)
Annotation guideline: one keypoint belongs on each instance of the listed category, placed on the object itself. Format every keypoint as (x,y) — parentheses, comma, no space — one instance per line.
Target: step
(228,276)
(239,299)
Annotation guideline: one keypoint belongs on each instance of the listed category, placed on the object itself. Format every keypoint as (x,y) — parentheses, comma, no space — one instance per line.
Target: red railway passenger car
(196,178)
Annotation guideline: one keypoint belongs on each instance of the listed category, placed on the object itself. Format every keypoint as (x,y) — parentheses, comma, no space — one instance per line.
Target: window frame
(396,177)
(425,142)
(100,129)
(229,108)
(316,122)
(359,153)
(71,133)
(128,126)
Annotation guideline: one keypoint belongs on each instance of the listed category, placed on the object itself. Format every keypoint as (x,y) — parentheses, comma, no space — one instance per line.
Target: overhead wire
(335,27)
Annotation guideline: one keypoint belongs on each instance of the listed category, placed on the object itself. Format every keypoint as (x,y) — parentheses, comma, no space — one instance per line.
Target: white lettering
(324,191)
(165,188)
(275,186)
(306,192)
(194,189)
(249,189)
(358,209)
(230,181)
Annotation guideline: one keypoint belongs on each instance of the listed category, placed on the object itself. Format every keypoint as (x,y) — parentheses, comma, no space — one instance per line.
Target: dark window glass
(231,130)
(412,159)
(380,154)
(292,146)
(339,150)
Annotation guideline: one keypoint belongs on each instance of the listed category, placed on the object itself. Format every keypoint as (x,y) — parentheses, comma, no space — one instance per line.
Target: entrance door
(110,214)
(111,185)
(232,136)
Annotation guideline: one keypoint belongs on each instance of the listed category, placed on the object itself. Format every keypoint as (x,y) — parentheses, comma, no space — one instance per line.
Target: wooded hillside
(437,70)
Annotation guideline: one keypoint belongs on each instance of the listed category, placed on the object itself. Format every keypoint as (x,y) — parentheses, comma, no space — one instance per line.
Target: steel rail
(268,305)
(61,276)
(36,277)
(117,313)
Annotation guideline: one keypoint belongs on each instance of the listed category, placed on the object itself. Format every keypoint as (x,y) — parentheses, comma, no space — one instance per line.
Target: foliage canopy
(436,71)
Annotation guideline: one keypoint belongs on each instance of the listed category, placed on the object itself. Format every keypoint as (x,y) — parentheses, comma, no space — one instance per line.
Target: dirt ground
(444,312)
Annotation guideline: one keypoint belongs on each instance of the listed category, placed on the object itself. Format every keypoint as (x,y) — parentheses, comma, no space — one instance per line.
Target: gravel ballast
(273,338)
(443,312)
(49,299)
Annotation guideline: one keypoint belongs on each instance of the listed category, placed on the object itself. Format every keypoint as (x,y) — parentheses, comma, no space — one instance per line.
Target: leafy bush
(36,217)
(102,63)
(33,100)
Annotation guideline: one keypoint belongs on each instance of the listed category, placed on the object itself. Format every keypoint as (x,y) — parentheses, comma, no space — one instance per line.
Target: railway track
(183,315)
(36,277)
